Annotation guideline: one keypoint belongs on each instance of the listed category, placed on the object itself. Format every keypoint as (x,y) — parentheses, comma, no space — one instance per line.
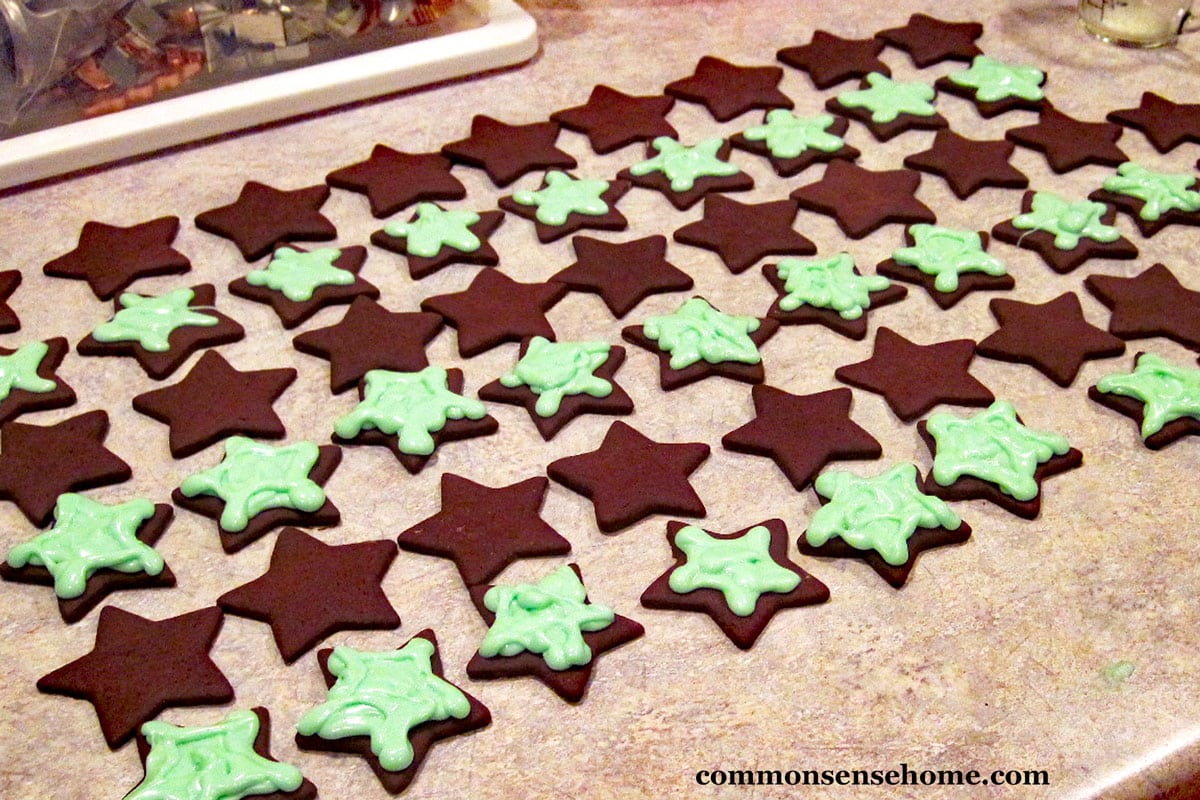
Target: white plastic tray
(509,37)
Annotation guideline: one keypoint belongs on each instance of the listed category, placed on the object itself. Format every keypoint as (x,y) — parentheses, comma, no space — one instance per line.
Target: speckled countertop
(1002,653)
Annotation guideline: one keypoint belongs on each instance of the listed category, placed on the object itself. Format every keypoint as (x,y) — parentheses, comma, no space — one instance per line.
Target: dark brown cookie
(684,199)
(742,630)
(610,220)
(929,40)
(264,217)
(969,164)
(622,273)
(728,90)
(612,119)
(422,266)
(743,233)
(862,200)
(885,131)
(393,180)
(1165,123)
(1061,260)
(830,59)
(312,590)
(787,167)
(967,281)
(506,152)
(495,309)
(1135,208)
(987,108)
(805,314)
(294,312)
(1171,430)
(1151,303)
(17,400)
(1069,143)
(110,258)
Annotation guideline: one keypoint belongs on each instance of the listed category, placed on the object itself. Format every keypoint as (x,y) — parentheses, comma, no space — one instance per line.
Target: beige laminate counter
(998,654)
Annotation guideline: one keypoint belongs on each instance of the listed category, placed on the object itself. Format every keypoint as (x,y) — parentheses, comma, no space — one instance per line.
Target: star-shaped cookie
(947,263)
(506,152)
(913,378)
(1069,143)
(1161,397)
(968,165)
(371,337)
(565,204)
(1084,231)
(793,144)
(728,90)
(828,291)
(929,40)
(495,309)
(110,258)
(216,400)
(298,296)
(263,217)
(743,233)
(685,174)
(484,529)
(622,273)
(862,200)
(1165,123)
(28,379)
(1023,337)
(1152,303)
(830,59)
(750,566)
(472,248)
(140,666)
(312,590)
(612,119)
(802,433)
(40,462)
(393,180)
(630,476)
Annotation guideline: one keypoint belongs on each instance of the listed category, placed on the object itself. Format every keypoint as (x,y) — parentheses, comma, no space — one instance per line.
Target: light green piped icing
(214,762)
(1159,192)
(410,405)
(434,228)
(828,283)
(1069,222)
(880,513)
(20,370)
(553,370)
(384,696)
(992,446)
(562,196)
(548,618)
(742,569)
(298,274)
(89,536)
(994,80)
(887,99)
(149,321)
(697,331)
(1168,392)
(254,477)
(683,165)
(787,135)
(946,254)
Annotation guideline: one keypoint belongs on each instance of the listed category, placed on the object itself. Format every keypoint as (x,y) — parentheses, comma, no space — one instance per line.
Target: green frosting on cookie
(1069,222)
(434,228)
(992,446)
(742,569)
(298,274)
(562,196)
(1159,192)
(20,370)
(149,321)
(548,618)
(947,253)
(214,762)
(887,99)
(787,135)
(553,370)
(828,283)
(1168,392)
(254,477)
(683,165)
(994,80)
(697,331)
(89,536)
(384,696)
(880,513)
(409,405)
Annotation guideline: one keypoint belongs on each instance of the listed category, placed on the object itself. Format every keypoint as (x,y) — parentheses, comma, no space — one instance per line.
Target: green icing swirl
(409,405)
(1160,192)
(683,165)
(887,99)
(1168,392)
(20,370)
(548,618)
(946,254)
(254,477)
(88,536)
(880,513)
(994,80)
(298,274)
(384,696)
(1069,222)
(434,228)
(697,332)
(992,446)
(214,762)
(149,321)
(562,196)
(787,135)
(742,569)
(828,283)
(553,370)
